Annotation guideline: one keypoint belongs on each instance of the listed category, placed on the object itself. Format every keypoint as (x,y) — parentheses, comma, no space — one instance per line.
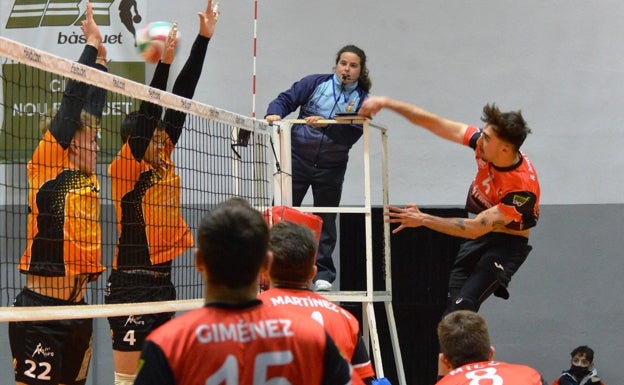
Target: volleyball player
(292,269)
(63,250)
(235,338)
(467,356)
(146,192)
(503,200)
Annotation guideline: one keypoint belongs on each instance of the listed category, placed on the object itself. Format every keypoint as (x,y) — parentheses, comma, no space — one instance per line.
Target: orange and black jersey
(341,325)
(244,344)
(147,198)
(493,372)
(64,235)
(515,190)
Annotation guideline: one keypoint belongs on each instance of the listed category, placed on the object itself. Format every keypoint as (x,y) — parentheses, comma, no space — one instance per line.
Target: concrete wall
(559,62)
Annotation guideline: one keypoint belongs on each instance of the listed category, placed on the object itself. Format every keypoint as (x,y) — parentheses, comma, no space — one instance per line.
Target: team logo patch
(43,350)
(134,320)
(520,200)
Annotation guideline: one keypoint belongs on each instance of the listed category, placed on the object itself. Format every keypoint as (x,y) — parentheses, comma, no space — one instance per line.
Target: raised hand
(208,19)
(170,45)
(90,29)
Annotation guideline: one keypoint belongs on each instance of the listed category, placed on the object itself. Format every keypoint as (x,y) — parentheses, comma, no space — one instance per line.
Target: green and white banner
(54,26)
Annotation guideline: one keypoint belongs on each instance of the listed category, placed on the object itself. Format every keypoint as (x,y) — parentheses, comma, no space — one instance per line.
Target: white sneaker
(322,285)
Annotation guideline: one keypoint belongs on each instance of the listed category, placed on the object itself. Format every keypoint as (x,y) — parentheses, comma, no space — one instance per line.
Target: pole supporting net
(206,165)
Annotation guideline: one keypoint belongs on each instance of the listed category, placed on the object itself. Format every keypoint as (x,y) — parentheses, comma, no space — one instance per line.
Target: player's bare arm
(487,221)
(442,127)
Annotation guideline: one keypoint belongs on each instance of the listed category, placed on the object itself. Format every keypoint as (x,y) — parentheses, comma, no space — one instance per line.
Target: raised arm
(67,119)
(148,117)
(444,128)
(186,82)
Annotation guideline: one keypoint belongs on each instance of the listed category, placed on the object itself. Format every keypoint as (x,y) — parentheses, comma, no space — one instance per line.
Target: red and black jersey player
(503,200)
(235,338)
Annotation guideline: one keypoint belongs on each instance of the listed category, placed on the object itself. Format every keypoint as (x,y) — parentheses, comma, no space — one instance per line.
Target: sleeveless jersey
(64,235)
(493,372)
(341,325)
(253,344)
(147,202)
(515,190)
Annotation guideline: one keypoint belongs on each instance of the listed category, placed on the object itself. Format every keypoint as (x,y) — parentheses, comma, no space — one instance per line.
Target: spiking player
(503,198)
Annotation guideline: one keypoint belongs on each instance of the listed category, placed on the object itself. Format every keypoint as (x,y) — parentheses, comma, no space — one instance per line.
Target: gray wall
(559,62)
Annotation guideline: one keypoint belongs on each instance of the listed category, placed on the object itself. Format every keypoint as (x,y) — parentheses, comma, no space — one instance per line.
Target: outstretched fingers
(208,19)
(90,29)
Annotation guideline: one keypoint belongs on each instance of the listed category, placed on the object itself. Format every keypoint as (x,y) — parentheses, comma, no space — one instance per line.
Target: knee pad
(124,379)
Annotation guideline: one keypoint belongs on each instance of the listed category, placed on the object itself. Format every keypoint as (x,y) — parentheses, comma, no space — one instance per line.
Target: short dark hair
(584,350)
(508,126)
(464,338)
(294,251)
(233,239)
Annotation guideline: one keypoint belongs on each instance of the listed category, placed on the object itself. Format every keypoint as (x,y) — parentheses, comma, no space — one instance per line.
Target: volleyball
(151,39)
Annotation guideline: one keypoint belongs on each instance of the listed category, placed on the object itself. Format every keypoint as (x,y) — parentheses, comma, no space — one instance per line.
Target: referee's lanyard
(337,98)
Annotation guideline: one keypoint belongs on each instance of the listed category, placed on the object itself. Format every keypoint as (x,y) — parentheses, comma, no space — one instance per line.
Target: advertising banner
(54,26)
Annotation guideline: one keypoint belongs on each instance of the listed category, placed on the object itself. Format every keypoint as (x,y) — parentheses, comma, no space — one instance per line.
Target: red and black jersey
(246,344)
(493,372)
(341,325)
(515,190)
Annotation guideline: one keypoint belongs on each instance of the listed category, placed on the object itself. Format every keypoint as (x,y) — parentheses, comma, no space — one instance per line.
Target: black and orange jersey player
(235,338)
(146,191)
(63,251)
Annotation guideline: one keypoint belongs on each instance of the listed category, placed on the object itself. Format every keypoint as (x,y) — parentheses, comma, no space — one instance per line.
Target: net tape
(29,56)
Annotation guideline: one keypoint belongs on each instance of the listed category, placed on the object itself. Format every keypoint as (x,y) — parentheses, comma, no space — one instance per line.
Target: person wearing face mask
(320,152)
(582,371)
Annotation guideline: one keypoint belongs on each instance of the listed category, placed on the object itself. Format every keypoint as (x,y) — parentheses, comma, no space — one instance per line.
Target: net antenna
(242,136)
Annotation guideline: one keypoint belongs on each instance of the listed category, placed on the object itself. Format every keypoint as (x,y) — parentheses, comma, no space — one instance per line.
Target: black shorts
(50,352)
(501,253)
(129,332)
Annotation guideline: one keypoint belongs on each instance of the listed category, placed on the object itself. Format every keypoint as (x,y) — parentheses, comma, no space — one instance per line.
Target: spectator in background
(582,370)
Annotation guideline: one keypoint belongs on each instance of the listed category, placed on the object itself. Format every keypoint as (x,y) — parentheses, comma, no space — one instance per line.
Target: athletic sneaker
(322,285)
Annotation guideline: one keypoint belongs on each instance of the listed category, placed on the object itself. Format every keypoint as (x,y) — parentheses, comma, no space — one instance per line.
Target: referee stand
(368,297)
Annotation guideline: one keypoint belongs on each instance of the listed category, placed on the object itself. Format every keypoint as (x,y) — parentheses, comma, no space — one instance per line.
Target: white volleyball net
(212,161)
